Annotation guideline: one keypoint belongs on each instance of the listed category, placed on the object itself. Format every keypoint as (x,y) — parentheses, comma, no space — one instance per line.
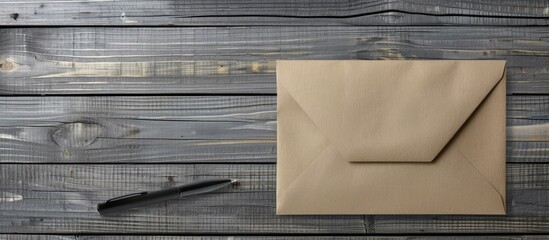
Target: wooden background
(101,98)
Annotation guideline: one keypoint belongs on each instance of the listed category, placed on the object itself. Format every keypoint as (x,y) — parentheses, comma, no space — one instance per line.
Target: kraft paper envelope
(391,137)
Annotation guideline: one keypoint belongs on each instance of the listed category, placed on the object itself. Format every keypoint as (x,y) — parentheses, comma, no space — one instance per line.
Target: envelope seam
(310,119)
(472,113)
(318,129)
(304,170)
(303,110)
(483,177)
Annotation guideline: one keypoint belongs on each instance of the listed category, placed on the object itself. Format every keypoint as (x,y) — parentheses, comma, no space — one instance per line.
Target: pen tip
(234,180)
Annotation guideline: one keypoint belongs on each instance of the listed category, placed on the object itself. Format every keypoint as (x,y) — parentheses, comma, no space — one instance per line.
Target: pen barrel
(138,200)
(144,198)
(202,187)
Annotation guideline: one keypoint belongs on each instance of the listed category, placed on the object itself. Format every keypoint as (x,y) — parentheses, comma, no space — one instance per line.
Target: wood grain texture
(62,155)
(245,12)
(44,237)
(161,129)
(240,60)
(61,199)
(119,237)
(138,129)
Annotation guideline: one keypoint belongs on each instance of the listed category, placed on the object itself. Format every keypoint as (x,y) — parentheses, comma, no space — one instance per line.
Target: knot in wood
(7,65)
(77,134)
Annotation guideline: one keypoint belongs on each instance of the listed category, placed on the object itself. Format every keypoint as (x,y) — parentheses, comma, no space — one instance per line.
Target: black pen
(143,198)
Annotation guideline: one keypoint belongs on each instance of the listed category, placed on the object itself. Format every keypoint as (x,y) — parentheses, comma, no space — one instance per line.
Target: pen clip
(126,196)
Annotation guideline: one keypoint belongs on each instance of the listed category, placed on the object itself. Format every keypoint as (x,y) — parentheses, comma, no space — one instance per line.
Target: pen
(144,198)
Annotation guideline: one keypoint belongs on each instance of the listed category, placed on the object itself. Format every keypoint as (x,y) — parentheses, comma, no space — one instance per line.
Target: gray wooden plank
(42,237)
(240,60)
(122,237)
(138,129)
(521,237)
(246,12)
(62,199)
(50,198)
(156,129)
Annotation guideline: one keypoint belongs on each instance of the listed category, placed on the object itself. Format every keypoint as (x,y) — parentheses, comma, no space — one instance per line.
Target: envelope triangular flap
(389,111)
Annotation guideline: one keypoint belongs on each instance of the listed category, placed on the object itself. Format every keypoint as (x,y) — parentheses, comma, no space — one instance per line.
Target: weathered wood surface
(153,129)
(52,198)
(138,129)
(62,155)
(62,198)
(119,237)
(241,59)
(242,12)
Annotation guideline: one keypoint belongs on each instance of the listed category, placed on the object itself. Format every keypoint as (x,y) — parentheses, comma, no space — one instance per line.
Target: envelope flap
(389,111)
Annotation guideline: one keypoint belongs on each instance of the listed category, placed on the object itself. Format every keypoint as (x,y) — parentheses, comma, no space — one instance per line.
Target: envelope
(390,137)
